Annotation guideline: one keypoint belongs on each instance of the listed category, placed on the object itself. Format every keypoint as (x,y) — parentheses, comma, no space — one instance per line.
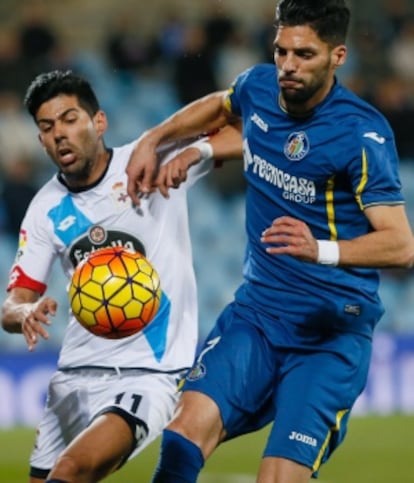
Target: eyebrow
(297,50)
(58,116)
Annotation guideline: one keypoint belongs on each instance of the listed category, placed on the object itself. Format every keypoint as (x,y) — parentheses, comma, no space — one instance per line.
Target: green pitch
(377,450)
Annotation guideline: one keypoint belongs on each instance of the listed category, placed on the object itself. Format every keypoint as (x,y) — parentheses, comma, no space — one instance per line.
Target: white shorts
(76,397)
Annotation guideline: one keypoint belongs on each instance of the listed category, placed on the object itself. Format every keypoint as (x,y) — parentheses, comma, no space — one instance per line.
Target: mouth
(289,83)
(66,156)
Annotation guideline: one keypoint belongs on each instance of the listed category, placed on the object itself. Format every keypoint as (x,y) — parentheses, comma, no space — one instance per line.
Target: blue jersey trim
(156,331)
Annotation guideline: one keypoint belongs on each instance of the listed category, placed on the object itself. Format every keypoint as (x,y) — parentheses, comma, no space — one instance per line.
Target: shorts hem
(38,473)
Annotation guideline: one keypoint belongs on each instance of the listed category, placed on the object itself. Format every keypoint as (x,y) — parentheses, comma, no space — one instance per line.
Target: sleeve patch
(19,279)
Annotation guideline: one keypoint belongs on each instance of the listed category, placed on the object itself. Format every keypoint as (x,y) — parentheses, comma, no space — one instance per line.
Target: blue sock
(180,460)
(55,481)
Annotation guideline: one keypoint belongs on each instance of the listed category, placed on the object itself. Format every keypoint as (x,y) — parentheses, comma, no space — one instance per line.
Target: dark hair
(328,18)
(48,85)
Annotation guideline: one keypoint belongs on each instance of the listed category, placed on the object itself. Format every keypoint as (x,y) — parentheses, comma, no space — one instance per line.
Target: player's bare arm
(226,144)
(23,312)
(390,244)
(201,116)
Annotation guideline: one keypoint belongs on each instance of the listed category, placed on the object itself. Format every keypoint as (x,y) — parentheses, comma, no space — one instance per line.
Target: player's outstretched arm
(23,312)
(389,244)
(224,145)
(201,116)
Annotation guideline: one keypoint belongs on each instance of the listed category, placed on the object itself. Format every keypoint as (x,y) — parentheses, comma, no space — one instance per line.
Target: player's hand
(141,170)
(173,173)
(290,236)
(35,320)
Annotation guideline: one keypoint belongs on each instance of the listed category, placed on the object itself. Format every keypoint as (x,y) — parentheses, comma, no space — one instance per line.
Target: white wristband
(328,252)
(206,150)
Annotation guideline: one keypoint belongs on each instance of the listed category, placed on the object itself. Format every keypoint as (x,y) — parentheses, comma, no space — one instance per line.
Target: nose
(288,63)
(58,131)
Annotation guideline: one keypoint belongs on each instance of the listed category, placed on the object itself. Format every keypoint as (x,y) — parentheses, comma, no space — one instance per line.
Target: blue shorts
(305,381)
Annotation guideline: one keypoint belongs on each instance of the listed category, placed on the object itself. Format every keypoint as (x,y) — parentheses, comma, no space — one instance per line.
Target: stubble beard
(79,175)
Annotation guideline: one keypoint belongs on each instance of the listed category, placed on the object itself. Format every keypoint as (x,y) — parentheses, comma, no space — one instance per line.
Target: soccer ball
(114,293)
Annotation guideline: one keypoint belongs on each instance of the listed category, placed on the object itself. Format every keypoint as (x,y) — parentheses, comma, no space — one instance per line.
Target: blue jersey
(324,169)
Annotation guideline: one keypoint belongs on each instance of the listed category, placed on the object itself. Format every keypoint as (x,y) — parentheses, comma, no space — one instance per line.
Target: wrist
(206,150)
(328,252)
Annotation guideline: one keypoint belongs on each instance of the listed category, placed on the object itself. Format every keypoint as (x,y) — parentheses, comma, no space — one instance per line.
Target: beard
(301,95)
(78,173)
(304,92)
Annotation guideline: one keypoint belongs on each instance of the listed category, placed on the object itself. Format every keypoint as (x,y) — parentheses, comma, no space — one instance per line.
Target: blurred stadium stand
(139,97)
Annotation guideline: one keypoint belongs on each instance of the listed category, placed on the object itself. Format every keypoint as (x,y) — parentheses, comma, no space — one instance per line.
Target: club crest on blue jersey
(296,146)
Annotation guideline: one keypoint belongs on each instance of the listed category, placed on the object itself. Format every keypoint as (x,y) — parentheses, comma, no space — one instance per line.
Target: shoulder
(254,85)
(46,196)
(355,121)
(257,72)
(121,154)
(359,112)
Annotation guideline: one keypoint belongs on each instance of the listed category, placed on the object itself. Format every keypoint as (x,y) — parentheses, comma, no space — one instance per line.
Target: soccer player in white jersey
(108,398)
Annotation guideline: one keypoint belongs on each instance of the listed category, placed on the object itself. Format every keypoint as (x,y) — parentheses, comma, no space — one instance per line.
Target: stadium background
(163,45)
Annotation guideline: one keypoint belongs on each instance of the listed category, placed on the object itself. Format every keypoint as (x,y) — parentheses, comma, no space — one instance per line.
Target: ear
(339,55)
(39,137)
(101,122)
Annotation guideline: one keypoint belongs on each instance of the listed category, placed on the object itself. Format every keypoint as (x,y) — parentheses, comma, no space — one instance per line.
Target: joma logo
(259,122)
(303,438)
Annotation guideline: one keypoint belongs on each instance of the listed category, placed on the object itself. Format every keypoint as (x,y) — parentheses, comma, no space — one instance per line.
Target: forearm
(389,244)
(228,143)
(380,249)
(201,116)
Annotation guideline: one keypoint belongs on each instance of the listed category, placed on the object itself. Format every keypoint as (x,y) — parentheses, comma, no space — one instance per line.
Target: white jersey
(69,224)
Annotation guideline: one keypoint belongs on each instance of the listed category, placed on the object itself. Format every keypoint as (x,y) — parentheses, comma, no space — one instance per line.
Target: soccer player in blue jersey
(324,211)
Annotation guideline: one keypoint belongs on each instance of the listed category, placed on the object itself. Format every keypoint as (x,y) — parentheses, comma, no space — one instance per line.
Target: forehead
(56,106)
(298,37)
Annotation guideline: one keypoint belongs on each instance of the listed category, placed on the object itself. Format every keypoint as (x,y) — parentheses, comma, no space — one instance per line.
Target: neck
(295,110)
(91,175)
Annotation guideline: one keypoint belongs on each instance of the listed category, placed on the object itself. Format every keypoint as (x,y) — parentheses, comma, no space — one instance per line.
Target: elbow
(408,263)
(406,256)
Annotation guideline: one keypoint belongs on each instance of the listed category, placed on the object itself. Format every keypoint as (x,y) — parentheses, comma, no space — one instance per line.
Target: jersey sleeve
(374,171)
(233,96)
(35,252)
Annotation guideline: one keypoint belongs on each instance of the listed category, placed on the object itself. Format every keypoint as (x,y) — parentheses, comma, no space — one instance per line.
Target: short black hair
(48,85)
(328,18)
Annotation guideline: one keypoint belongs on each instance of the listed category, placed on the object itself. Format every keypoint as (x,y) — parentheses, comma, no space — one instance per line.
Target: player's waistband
(94,371)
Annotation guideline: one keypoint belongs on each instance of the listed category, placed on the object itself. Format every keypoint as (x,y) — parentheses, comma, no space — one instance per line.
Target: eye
(279,52)
(71,119)
(305,54)
(45,128)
